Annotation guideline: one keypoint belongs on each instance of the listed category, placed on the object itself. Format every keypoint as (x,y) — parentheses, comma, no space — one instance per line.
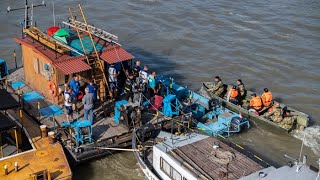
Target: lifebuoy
(52,88)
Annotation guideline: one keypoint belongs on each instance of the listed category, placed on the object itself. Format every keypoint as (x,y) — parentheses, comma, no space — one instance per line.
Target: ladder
(93,58)
(93,30)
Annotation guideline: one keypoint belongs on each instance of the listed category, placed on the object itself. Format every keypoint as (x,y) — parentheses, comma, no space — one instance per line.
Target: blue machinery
(219,120)
(82,130)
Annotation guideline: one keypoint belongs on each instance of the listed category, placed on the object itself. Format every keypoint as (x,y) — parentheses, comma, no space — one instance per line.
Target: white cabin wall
(157,153)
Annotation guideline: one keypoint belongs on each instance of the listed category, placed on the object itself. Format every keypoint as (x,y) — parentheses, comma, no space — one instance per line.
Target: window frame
(171,169)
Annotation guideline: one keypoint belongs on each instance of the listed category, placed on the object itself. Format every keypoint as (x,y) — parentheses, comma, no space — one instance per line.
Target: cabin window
(169,170)
(42,68)
(36,65)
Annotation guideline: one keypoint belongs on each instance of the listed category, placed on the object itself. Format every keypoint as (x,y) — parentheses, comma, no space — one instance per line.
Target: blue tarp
(51,110)
(32,96)
(18,84)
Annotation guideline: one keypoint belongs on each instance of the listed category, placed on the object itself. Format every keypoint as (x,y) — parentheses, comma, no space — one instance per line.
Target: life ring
(52,88)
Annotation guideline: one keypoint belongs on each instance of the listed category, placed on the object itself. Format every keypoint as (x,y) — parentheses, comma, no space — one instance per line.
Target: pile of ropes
(222,157)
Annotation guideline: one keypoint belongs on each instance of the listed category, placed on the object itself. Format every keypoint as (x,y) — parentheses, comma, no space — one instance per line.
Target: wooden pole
(16,136)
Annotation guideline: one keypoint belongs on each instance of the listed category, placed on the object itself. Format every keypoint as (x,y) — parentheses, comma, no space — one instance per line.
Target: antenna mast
(27,21)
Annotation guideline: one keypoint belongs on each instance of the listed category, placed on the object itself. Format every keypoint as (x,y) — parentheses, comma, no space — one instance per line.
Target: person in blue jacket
(93,88)
(75,85)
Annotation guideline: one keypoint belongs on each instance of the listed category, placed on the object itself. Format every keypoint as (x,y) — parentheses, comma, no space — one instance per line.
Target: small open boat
(302,118)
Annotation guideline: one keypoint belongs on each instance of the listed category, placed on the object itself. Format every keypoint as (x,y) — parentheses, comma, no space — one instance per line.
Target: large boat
(302,119)
(50,60)
(163,155)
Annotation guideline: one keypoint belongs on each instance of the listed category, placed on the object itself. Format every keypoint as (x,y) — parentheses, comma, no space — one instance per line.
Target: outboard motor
(146,132)
(235,123)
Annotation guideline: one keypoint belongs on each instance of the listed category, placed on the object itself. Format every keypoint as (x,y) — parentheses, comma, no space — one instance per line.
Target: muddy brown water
(274,44)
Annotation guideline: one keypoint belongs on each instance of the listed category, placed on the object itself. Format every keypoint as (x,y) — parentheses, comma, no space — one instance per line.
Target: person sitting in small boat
(288,120)
(266,97)
(255,102)
(218,88)
(241,89)
(276,114)
(233,94)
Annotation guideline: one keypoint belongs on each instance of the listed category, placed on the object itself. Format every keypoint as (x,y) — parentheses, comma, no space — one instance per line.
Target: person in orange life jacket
(136,69)
(233,95)
(68,102)
(266,98)
(255,102)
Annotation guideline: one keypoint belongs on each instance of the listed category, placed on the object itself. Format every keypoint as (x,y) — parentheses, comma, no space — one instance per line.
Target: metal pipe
(118,149)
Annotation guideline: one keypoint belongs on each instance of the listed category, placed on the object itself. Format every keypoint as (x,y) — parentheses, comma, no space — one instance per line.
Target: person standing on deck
(144,74)
(136,69)
(128,93)
(241,89)
(113,81)
(87,101)
(218,88)
(93,88)
(151,85)
(266,97)
(75,85)
(68,103)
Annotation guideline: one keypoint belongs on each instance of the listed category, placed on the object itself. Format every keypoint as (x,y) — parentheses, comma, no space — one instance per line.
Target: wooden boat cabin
(52,59)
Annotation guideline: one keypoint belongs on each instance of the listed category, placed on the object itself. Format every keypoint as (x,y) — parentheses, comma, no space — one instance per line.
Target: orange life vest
(256,103)
(233,93)
(266,98)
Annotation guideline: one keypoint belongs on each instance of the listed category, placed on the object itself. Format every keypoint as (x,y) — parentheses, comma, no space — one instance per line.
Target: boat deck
(199,155)
(103,127)
(46,157)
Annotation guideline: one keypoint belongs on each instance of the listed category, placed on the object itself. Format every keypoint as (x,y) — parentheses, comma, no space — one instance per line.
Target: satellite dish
(8,9)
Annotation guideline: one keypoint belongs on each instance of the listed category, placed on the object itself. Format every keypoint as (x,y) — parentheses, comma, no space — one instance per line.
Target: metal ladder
(93,58)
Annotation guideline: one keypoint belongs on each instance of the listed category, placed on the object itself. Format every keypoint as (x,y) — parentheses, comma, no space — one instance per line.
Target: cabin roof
(9,102)
(204,158)
(73,65)
(64,62)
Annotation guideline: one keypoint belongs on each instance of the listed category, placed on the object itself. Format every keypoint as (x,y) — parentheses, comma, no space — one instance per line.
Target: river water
(271,43)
